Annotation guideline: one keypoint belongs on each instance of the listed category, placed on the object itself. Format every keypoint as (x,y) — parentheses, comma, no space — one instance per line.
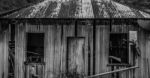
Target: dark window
(118,48)
(35,47)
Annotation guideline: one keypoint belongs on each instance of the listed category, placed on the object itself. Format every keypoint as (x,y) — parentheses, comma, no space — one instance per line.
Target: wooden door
(75,55)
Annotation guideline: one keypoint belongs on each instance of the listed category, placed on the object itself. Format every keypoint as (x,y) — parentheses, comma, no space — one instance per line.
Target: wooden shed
(75,39)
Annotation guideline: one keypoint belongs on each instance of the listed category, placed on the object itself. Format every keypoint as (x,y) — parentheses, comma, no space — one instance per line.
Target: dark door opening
(35,47)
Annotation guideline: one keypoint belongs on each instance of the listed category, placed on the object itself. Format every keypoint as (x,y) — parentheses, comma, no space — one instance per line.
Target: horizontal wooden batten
(68,21)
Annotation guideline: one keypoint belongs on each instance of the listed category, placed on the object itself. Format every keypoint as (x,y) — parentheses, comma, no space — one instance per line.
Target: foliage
(6,5)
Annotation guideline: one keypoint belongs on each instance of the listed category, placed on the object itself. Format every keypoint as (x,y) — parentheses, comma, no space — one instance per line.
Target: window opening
(118,50)
(35,47)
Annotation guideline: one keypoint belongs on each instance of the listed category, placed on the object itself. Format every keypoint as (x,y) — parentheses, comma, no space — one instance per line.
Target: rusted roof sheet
(78,9)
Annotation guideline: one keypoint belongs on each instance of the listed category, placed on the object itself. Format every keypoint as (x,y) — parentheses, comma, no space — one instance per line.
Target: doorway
(35,55)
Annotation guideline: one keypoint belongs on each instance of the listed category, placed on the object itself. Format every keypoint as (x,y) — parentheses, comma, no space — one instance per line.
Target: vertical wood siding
(49,42)
(1,54)
(147,60)
(4,51)
(35,28)
(67,31)
(119,29)
(55,48)
(143,40)
(87,32)
(144,60)
(102,48)
(19,51)
(20,44)
(75,55)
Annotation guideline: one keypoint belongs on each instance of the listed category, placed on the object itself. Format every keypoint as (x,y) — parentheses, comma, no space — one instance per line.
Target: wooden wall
(4,38)
(147,55)
(55,48)
(19,50)
(6,51)
(144,60)
(86,31)
(102,48)
(54,51)
(1,55)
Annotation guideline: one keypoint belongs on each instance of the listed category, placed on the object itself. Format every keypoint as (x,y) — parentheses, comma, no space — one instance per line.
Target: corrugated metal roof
(79,9)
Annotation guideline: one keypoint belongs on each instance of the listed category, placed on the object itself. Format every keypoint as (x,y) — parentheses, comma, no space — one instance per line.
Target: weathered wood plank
(119,29)
(67,31)
(141,41)
(1,55)
(57,50)
(148,53)
(19,50)
(56,47)
(102,48)
(87,32)
(35,28)
(76,55)
(49,52)
(6,52)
